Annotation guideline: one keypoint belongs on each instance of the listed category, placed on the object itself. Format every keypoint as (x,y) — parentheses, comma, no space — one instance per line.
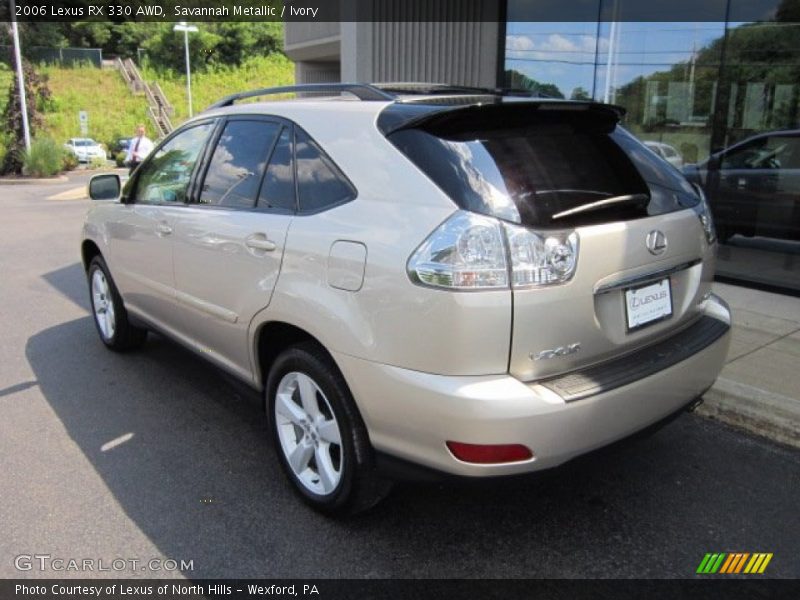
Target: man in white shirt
(138,149)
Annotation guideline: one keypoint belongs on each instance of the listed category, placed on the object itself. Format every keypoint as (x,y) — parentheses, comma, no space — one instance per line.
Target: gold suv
(460,280)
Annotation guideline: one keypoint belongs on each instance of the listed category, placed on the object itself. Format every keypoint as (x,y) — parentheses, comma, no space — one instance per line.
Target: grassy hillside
(113,111)
(208,87)
(6,79)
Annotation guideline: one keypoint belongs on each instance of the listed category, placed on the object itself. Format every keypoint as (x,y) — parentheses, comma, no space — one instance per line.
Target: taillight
(704,214)
(539,258)
(476,252)
(465,252)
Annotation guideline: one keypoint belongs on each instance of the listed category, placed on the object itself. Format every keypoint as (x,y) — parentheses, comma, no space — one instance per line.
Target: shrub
(45,158)
(70,161)
(37,94)
(119,158)
(97,162)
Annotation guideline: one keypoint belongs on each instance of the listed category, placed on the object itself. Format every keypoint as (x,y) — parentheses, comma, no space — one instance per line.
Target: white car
(667,152)
(85,149)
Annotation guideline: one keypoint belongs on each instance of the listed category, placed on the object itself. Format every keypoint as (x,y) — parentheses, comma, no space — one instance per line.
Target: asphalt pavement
(154,455)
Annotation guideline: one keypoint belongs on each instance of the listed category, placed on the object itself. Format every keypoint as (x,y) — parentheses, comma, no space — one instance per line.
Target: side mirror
(105,187)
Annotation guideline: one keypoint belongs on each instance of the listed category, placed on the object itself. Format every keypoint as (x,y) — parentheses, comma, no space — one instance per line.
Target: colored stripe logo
(734,562)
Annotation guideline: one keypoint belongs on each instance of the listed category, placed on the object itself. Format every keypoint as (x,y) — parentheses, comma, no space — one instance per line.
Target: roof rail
(362,91)
(429,88)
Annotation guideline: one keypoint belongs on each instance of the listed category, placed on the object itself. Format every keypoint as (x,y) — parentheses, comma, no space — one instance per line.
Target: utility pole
(186,29)
(20,77)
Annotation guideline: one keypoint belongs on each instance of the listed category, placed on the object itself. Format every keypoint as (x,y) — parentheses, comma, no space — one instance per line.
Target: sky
(565,53)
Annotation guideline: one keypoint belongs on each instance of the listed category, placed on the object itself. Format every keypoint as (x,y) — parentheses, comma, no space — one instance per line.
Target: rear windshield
(539,172)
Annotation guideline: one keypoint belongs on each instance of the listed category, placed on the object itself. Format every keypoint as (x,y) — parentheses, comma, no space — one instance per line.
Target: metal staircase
(159,109)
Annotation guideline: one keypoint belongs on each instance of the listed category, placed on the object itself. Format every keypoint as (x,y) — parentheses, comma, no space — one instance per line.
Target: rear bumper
(410,415)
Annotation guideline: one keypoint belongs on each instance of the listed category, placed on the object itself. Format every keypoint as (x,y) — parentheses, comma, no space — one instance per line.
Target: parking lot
(154,455)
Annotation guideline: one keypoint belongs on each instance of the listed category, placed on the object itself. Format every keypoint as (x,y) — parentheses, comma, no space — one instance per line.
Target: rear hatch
(557,169)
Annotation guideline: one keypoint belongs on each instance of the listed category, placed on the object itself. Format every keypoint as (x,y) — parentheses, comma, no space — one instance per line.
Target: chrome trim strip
(605,202)
(639,279)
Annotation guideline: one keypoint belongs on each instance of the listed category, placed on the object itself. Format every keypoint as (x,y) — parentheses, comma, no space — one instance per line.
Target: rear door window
(238,163)
(278,189)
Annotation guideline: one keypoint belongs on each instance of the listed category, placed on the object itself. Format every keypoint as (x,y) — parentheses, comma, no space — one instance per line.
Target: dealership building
(696,91)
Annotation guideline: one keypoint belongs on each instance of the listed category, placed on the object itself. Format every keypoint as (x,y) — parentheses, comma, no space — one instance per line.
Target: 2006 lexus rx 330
(454,279)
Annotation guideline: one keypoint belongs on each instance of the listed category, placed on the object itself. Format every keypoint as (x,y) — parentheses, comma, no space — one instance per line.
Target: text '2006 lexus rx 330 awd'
(449,279)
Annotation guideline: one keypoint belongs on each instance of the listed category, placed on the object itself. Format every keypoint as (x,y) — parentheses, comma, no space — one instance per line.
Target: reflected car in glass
(753,187)
(667,152)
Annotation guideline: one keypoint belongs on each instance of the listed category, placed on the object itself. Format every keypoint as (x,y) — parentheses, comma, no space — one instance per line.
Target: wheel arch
(88,251)
(272,338)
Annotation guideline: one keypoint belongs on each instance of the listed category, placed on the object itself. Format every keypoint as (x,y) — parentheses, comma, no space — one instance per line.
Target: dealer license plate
(648,304)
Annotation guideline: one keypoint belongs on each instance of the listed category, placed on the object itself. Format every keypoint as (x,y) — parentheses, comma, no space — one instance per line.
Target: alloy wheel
(309,433)
(103,305)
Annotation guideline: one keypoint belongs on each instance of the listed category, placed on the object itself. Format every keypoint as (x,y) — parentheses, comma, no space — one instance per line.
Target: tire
(108,310)
(319,436)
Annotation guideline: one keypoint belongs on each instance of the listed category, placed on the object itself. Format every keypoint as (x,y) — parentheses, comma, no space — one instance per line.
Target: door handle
(260,242)
(163,228)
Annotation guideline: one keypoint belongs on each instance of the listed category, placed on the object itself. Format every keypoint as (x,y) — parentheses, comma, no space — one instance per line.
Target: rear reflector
(489,454)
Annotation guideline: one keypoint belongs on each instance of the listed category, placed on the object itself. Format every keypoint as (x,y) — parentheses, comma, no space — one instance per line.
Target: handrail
(123,71)
(362,91)
(158,107)
(162,98)
(160,121)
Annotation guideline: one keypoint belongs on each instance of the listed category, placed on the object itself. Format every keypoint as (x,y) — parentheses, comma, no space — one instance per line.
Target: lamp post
(23,103)
(187,29)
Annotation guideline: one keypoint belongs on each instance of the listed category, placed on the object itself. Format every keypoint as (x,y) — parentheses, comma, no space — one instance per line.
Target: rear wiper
(600,204)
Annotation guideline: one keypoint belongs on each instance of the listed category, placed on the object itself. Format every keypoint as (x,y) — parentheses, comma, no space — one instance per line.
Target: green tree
(165,48)
(754,53)
(226,43)
(579,93)
(241,40)
(516,80)
(223,43)
(50,35)
(89,34)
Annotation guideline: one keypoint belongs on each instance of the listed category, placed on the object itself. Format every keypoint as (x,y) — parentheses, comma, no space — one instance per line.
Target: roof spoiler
(511,112)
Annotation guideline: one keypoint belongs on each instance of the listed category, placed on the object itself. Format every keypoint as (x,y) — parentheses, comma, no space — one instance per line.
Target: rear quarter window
(320,183)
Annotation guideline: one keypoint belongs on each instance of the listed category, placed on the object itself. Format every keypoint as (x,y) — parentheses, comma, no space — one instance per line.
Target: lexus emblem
(656,242)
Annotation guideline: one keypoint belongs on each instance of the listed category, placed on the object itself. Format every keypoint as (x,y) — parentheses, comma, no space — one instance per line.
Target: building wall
(462,53)
(314,42)
(317,72)
(404,40)
(296,34)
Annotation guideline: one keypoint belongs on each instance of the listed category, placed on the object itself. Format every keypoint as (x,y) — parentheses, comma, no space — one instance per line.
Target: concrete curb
(755,410)
(33,181)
